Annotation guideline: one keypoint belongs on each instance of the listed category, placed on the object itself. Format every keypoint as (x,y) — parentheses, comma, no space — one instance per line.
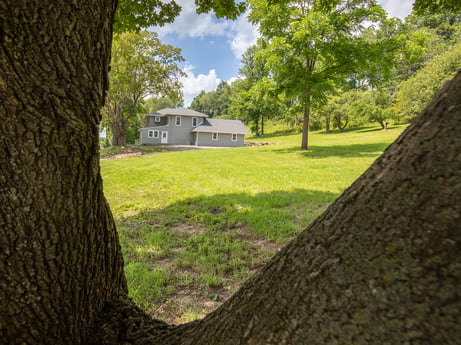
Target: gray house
(189,127)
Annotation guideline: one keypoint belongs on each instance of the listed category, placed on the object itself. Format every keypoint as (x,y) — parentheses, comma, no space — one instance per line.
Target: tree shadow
(346,151)
(275,215)
(179,256)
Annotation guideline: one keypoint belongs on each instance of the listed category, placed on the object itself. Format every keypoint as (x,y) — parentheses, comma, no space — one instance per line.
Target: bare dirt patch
(245,235)
(190,304)
(188,229)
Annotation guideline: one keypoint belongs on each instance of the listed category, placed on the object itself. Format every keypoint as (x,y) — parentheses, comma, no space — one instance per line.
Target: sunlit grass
(208,219)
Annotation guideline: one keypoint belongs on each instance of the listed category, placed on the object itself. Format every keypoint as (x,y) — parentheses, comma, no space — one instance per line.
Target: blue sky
(212,47)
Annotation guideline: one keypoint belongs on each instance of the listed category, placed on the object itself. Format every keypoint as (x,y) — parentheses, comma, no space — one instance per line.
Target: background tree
(254,96)
(140,66)
(156,103)
(374,106)
(350,277)
(313,45)
(253,103)
(213,103)
(415,93)
(423,38)
(341,112)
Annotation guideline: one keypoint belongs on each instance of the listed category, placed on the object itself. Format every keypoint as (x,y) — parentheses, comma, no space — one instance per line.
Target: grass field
(194,225)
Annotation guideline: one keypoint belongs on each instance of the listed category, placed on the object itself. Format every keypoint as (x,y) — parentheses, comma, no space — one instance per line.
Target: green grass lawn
(195,224)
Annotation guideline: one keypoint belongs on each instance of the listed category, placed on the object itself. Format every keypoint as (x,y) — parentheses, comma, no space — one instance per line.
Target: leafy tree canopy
(213,103)
(133,15)
(436,6)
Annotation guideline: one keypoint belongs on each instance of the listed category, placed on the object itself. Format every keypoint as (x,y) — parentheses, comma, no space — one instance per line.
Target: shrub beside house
(189,127)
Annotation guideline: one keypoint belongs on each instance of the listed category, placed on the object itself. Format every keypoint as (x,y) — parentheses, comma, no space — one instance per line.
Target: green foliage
(414,94)
(214,103)
(424,37)
(373,106)
(436,6)
(132,15)
(157,103)
(253,97)
(313,45)
(222,8)
(141,65)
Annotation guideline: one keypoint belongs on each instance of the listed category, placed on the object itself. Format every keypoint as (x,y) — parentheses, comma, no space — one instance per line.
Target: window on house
(152,134)
(234,137)
(214,136)
(194,121)
(157,119)
(178,120)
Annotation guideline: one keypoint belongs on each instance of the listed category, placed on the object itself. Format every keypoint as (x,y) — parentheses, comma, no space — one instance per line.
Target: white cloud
(240,34)
(244,35)
(193,85)
(191,24)
(397,8)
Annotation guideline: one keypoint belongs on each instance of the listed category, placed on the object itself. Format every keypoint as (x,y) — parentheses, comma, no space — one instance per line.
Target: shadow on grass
(275,216)
(209,245)
(347,151)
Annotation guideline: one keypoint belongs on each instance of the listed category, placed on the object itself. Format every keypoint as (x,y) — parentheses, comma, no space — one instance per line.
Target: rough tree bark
(380,266)
(59,253)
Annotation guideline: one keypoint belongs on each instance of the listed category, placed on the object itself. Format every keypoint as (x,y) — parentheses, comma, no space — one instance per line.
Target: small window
(214,136)
(194,121)
(152,133)
(178,121)
(234,137)
(157,119)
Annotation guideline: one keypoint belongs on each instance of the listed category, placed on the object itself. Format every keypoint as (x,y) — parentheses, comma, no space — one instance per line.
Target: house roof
(177,111)
(221,126)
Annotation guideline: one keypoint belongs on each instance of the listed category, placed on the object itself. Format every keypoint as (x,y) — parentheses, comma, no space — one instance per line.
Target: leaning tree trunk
(381,266)
(60,260)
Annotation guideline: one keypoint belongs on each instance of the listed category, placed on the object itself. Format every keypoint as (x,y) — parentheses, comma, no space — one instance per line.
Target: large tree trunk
(60,261)
(381,265)
(118,134)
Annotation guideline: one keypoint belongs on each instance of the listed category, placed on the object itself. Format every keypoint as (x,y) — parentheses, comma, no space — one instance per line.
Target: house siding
(181,135)
(187,132)
(224,139)
(177,135)
(152,123)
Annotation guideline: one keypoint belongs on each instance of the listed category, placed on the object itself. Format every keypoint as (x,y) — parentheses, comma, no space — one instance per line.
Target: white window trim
(194,119)
(213,136)
(234,135)
(157,118)
(176,121)
(153,133)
